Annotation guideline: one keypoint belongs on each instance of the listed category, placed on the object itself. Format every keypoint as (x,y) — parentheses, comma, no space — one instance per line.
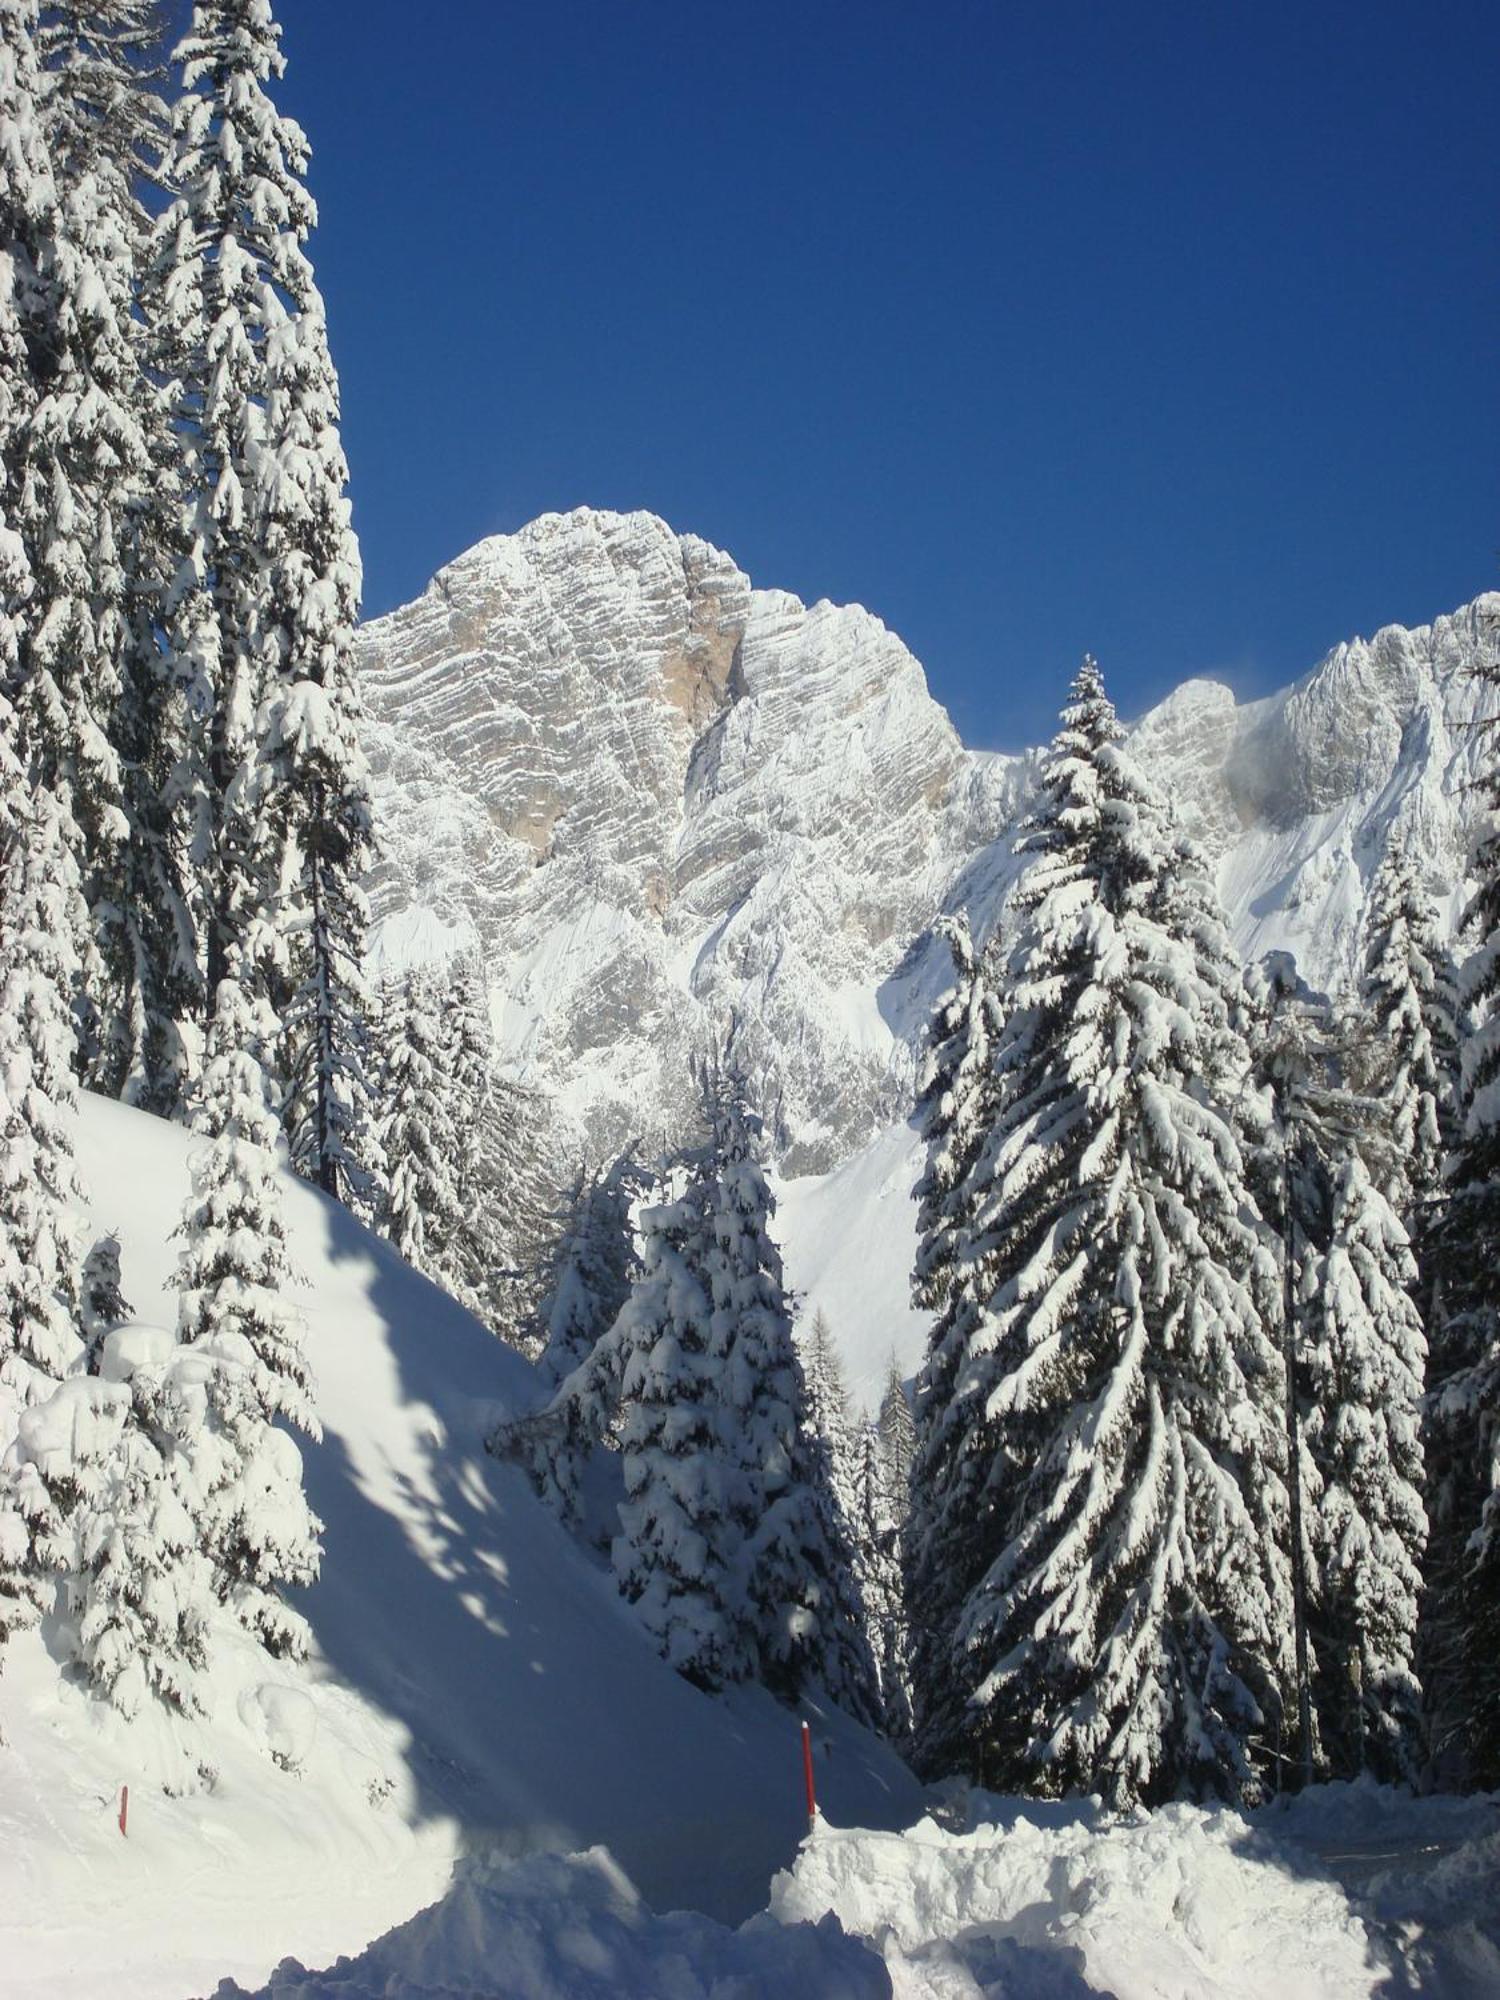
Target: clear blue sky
(1163,330)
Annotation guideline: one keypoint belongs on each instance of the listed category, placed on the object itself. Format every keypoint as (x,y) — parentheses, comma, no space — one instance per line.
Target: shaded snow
(476,1685)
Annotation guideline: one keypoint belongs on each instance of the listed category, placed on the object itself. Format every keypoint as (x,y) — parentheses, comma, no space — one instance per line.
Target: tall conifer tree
(1464,1373)
(1117,1390)
(260,614)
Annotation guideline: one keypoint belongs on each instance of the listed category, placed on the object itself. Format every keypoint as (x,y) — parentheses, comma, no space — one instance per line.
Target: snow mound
(1349,1890)
(1181,1904)
(573,1928)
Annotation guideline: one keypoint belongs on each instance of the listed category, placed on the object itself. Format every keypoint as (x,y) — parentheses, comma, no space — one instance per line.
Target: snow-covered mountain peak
(667,805)
(664,802)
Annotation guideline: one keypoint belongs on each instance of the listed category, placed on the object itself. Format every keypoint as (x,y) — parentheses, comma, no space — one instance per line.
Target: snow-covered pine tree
(103,1303)
(675,1552)
(898,1440)
(1463,1642)
(804,1622)
(1407,1049)
(142,1585)
(828,1416)
(1365,1355)
(519,1194)
(1118,1394)
(1353,1350)
(418,1137)
(955,1104)
(958,1093)
(235,1309)
(82,462)
(321,816)
(592,1271)
(877,1540)
(39,1196)
(110,1514)
(500,1252)
(259,615)
(594,1263)
(109,436)
(886,1497)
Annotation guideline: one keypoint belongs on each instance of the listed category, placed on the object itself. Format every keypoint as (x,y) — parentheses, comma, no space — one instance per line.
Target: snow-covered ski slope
(477,1685)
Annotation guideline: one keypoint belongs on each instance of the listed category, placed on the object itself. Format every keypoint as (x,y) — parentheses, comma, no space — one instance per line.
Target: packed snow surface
(477,1685)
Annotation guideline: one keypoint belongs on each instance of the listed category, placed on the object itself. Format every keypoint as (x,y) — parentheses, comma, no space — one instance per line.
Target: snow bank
(1182,1904)
(1348,1891)
(573,1928)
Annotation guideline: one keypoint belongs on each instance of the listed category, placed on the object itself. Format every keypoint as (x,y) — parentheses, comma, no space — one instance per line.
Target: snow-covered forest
(406,1466)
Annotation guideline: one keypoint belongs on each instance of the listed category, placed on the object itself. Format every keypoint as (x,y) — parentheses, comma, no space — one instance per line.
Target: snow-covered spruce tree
(1365,1355)
(1117,1394)
(1353,1351)
(594,1263)
(105,125)
(111,1515)
(322,998)
(955,1104)
(804,1622)
(103,1302)
(260,614)
(519,1191)
(39,1196)
(81,463)
(1462,1649)
(878,1566)
(1409,1041)
(502,1247)
(828,1420)
(675,1552)
(898,1440)
(418,1137)
(235,1308)
(593,1268)
(143,1584)
(942,1560)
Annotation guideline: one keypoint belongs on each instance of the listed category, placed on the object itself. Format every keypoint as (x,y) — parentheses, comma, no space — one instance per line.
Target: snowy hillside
(486,1769)
(662,802)
(476,1686)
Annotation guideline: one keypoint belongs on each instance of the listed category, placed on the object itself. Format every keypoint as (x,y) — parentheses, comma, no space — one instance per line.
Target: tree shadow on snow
(538,1714)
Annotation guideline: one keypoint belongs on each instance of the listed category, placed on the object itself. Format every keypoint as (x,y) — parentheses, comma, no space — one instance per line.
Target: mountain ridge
(666,805)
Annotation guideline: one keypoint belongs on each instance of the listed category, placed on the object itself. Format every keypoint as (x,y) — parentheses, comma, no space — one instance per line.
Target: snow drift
(1346,1893)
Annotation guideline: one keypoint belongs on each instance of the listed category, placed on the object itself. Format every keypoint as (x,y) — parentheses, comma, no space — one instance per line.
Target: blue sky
(1165,331)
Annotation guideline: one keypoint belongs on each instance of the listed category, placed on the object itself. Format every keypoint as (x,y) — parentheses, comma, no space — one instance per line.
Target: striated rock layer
(670,809)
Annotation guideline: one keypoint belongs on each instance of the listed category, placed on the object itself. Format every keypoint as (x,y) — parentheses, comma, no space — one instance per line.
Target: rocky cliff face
(671,809)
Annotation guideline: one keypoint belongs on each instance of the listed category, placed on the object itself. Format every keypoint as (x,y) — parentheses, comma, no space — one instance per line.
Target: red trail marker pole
(124,1805)
(807,1773)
